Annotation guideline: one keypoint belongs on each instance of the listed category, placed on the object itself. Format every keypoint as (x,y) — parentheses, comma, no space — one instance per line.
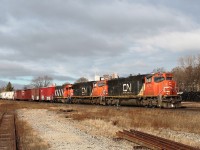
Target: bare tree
(197,72)
(179,74)
(47,80)
(82,79)
(25,87)
(187,74)
(161,69)
(2,89)
(41,81)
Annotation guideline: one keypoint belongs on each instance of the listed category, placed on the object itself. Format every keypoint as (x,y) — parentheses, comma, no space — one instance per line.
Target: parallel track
(8,132)
(151,141)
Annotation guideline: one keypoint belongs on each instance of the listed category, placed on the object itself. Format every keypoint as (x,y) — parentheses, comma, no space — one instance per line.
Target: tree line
(37,82)
(187,74)
(7,88)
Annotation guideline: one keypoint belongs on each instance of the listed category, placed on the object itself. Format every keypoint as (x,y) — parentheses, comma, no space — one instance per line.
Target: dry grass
(176,125)
(27,138)
(107,120)
(100,127)
(178,120)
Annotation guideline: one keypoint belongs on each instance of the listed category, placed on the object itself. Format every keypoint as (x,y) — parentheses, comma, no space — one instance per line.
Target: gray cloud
(73,38)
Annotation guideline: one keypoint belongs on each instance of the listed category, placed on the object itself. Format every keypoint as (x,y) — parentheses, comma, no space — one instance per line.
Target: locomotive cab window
(149,79)
(100,84)
(158,79)
(169,78)
(95,84)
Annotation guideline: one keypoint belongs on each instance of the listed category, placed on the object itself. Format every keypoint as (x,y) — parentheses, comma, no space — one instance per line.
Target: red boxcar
(23,94)
(47,93)
(35,94)
(18,95)
(26,94)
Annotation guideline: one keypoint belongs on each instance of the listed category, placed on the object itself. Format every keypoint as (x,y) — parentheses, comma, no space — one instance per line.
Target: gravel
(61,133)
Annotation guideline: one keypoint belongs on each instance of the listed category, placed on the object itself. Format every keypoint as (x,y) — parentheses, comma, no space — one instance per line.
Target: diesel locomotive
(149,90)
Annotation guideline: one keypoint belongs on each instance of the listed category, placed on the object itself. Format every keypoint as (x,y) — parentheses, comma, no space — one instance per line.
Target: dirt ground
(61,126)
(62,133)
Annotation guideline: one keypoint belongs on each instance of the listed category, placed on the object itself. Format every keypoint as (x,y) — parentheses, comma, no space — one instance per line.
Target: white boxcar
(7,95)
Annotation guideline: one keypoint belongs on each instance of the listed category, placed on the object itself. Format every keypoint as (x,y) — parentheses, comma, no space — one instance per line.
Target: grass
(27,138)
(167,123)
(178,120)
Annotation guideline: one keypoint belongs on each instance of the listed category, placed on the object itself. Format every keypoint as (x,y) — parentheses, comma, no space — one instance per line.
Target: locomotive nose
(169,88)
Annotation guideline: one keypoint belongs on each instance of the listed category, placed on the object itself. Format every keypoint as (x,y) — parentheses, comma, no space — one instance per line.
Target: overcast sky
(67,39)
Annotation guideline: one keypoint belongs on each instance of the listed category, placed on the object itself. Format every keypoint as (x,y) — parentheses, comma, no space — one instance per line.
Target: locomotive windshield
(101,84)
(159,79)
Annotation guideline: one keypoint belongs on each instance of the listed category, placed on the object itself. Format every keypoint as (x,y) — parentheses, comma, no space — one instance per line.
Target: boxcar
(7,95)
(18,95)
(35,94)
(22,94)
(47,93)
(26,94)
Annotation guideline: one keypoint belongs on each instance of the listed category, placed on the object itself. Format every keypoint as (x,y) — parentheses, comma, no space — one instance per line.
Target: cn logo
(84,90)
(127,87)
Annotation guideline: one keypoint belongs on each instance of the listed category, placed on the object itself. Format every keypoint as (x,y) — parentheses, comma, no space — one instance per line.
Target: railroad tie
(7,131)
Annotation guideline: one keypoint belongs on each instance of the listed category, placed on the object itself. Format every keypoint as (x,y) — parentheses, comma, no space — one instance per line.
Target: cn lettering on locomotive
(127,88)
(84,90)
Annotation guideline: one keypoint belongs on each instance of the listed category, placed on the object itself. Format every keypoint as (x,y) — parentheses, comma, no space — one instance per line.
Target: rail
(8,131)
(151,141)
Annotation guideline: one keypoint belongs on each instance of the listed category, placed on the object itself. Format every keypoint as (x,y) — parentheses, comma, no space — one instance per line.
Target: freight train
(149,90)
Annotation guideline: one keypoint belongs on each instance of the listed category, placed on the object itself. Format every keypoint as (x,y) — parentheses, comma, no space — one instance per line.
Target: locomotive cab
(162,87)
(160,84)
(100,88)
(68,91)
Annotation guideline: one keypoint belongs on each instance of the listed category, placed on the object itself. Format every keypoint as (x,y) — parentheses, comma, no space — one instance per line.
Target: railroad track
(8,132)
(151,141)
